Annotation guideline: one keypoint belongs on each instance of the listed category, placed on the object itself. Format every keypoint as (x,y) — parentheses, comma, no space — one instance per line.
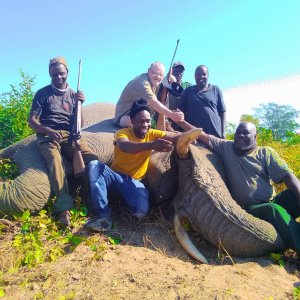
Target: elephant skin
(196,184)
(204,200)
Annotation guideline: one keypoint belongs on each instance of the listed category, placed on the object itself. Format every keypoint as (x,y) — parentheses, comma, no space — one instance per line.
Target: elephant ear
(205,201)
(31,189)
(10,151)
(162,177)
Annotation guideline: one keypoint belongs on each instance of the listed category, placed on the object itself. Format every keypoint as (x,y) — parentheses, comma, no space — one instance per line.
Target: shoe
(64,218)
(99,225)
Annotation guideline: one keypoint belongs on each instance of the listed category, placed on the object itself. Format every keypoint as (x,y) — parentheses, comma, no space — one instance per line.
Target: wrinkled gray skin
(196,186)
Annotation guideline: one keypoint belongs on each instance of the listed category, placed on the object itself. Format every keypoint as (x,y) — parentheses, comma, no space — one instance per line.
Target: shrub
(14,111)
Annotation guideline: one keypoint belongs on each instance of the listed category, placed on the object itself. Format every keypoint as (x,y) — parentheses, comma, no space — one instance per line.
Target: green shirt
(249,176)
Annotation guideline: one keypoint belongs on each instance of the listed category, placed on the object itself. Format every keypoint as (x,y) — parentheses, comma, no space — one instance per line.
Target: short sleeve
(36,107)
(221,104)
(217,144)
(155,134)
(148,92)
(277,168)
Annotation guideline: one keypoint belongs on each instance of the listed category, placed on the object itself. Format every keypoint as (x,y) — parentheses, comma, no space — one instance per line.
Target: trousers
(281,213)
(52,152)
(103,180)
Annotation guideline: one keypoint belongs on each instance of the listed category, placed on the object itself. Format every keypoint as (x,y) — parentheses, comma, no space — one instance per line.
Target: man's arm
(223,123)
(293,184)
(161,144)
(204,137)
(176,116)
(35,124)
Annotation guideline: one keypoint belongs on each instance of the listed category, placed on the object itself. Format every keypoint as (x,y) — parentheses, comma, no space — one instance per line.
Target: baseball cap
(138,106)
(178,63)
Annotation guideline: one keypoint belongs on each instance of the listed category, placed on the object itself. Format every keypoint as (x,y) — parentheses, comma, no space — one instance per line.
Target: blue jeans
(104,180)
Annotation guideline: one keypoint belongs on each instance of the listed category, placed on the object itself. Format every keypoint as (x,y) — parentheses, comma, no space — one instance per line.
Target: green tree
(278,118)
(230,130)
(14,111)
(250,118)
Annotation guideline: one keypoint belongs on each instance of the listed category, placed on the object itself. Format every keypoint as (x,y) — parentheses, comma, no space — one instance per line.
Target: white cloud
(242,99)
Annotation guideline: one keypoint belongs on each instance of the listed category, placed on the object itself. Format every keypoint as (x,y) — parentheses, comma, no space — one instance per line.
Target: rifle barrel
(174,55)
(79,76)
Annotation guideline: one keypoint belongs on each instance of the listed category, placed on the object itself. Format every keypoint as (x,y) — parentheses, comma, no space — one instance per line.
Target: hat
(138,106)
(58,60)
(178,63)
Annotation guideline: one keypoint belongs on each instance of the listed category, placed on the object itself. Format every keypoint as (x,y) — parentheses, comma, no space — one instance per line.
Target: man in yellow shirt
(132,151)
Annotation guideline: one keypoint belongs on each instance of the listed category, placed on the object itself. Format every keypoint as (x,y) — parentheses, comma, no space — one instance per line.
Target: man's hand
(77,145)
(177,115)
(79,96)
(55,135)
(163,145)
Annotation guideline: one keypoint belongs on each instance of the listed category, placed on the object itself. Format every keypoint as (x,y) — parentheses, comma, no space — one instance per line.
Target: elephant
(191,178)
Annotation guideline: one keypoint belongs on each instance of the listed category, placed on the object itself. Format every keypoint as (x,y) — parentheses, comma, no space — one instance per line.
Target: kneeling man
(132,151)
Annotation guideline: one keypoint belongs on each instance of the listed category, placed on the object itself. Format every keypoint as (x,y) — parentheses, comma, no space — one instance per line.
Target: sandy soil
(150,264)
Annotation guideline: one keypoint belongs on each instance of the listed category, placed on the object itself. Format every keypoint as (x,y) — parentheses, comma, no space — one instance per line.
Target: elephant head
(194,180)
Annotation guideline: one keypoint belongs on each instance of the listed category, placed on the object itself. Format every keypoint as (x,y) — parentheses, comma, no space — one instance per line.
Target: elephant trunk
(30,190)
(185,140)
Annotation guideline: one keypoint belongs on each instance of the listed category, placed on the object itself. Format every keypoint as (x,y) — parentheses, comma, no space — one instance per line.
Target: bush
(14,111)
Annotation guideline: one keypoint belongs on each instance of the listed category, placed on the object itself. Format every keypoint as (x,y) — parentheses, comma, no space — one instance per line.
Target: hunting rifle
(75,128)
(174,87)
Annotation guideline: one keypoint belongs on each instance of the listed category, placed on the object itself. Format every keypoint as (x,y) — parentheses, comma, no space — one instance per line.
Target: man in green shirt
(250,170)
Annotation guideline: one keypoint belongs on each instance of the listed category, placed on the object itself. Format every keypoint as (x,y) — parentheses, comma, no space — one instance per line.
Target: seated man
(50,116)
(250,169)
(132,151)
(144,86)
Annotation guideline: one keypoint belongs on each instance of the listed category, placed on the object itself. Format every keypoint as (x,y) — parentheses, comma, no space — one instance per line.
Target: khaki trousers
(52,152)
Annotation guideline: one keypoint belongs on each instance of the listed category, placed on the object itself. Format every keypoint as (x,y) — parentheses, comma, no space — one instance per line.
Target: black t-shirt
(202,109)
(54,109)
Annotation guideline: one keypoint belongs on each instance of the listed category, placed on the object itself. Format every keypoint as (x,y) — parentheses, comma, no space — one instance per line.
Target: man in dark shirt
(50,115)
(203,105)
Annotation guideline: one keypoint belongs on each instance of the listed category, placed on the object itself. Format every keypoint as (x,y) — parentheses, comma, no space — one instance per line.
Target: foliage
(277,257)
(14,111)
(250,118)
(296,293)
(8,169)
(230,130)
(278,118)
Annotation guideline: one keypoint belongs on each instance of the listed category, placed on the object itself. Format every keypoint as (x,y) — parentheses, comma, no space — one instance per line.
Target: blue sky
(241,42)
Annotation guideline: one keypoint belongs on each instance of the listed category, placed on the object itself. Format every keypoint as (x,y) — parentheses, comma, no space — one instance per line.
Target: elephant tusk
(186,242)
(185,140)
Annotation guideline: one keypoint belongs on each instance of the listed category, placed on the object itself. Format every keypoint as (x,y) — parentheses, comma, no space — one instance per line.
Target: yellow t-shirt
(134,164)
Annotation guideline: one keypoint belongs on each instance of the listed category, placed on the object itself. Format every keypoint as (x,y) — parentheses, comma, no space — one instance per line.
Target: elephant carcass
(31,189)
(204,200)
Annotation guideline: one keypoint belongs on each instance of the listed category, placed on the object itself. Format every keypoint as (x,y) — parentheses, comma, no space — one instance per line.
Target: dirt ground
(149,263)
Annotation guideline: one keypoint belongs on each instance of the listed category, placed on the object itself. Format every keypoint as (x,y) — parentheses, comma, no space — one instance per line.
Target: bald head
(245,138)
(156,73)
(249,126)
